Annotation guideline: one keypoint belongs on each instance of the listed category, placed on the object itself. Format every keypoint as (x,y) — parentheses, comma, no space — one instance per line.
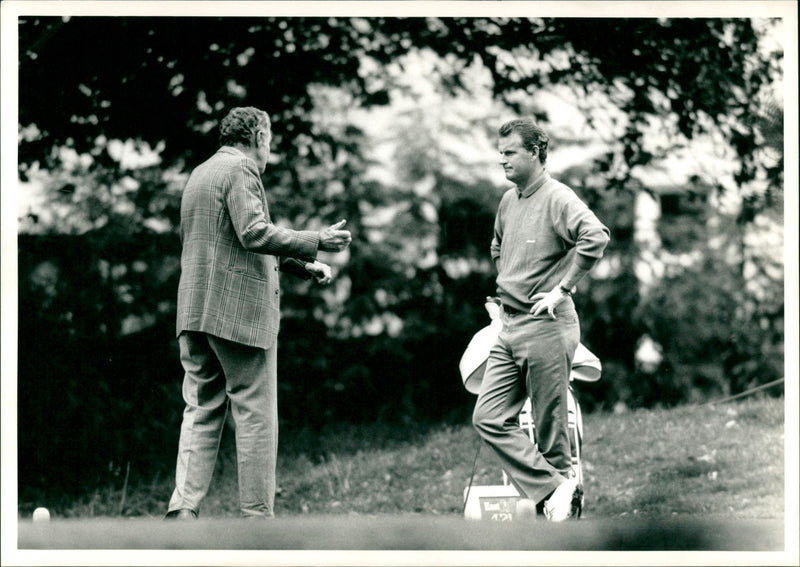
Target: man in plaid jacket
(229,313)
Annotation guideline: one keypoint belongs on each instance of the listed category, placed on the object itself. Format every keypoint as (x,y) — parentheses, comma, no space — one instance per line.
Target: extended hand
(332,239)
(547,302)
(320,271)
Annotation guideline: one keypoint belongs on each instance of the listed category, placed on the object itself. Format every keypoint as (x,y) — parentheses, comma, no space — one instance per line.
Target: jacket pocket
(247,273)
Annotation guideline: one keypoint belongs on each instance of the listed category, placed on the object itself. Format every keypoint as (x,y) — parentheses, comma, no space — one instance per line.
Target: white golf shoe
(565,502)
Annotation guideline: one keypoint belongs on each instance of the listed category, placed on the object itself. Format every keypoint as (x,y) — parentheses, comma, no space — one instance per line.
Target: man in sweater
(545,240)
(229,314)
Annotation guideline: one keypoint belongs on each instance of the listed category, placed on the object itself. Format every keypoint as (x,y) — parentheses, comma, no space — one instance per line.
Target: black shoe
(182,514)
(577,503)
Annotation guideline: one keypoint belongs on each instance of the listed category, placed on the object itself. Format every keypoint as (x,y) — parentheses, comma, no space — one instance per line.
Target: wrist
(566,292)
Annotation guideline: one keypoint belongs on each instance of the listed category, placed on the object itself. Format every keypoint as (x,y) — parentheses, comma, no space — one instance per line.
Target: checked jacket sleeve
(232,253)
(246,201)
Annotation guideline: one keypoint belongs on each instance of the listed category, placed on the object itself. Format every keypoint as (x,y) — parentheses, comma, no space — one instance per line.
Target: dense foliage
(98,373)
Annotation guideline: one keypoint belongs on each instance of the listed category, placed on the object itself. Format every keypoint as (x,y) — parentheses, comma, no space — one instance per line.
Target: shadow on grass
(405,532)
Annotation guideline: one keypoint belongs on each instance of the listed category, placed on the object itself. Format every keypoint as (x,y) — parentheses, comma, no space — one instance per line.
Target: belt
(512,311)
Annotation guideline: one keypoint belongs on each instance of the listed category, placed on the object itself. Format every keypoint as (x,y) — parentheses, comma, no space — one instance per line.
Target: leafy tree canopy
(159,79)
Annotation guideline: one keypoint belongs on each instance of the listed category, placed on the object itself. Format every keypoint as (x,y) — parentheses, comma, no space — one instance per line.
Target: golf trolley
(498,502)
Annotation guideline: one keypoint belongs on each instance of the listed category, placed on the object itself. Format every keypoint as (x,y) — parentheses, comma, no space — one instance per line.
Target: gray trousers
(218,371)
(532,358)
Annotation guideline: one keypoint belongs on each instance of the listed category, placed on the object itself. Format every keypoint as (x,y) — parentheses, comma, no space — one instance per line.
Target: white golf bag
(498,502)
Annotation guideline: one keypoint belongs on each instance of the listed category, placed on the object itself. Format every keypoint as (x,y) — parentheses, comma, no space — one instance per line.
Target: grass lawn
(724,461)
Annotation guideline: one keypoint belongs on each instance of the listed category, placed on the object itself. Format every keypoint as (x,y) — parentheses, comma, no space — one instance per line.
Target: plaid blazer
(229,284)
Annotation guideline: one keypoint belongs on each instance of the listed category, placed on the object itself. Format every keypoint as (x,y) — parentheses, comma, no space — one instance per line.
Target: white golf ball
(41,515)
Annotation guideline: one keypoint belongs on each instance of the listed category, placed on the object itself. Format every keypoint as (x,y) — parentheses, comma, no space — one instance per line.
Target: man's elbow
(594,245)
(255,238)
(250,243)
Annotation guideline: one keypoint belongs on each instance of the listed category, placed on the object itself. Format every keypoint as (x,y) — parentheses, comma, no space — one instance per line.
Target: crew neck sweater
(538,230)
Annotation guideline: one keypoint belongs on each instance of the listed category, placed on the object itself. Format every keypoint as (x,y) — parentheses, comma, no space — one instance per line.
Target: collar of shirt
(234,150)
(534,185)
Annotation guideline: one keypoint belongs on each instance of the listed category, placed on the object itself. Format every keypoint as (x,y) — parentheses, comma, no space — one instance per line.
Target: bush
(716,339)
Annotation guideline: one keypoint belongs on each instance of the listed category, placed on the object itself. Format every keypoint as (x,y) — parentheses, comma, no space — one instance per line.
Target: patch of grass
(723,461)
(691,469)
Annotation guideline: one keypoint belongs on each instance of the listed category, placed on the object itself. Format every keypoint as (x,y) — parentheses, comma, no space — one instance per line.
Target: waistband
(511,311)
(565,306)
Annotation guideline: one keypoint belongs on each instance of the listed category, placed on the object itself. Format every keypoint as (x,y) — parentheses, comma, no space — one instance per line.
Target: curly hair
(241,124)
(532,135)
